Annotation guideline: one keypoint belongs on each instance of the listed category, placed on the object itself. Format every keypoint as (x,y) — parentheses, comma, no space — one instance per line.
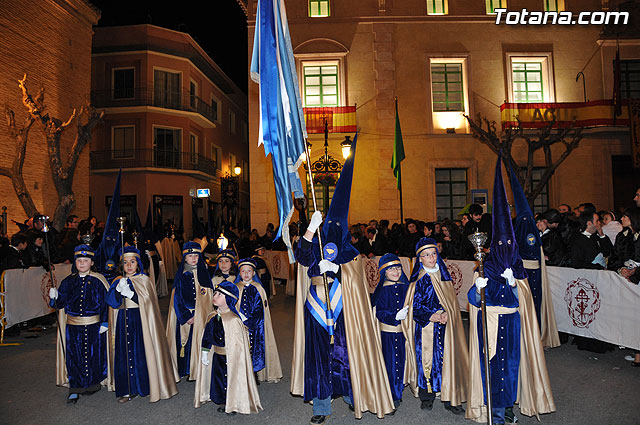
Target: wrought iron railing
(158,158)
(162,98)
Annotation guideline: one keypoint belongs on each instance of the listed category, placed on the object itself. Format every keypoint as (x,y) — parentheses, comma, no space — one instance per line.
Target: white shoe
(629,358)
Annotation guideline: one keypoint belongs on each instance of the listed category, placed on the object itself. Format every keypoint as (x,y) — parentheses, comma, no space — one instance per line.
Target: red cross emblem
(583,302)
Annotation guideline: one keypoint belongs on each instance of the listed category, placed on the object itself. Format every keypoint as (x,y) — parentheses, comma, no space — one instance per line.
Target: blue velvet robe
(505,365)
(250,305)
(326,366)
(426,303)
(265,278)
(129,347)
(214,335)
(85,347)
(389,302)
(184,301)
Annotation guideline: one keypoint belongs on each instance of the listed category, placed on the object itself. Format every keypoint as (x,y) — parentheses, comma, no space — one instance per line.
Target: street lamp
(346,147)
(327,166)
(237,169)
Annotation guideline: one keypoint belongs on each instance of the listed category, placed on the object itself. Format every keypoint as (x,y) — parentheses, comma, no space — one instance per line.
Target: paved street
(588,389)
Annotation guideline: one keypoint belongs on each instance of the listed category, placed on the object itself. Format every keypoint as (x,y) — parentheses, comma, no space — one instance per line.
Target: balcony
(151,158)
(160,98)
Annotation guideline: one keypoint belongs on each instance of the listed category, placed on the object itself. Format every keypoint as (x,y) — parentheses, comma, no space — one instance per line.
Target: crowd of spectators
(28,247)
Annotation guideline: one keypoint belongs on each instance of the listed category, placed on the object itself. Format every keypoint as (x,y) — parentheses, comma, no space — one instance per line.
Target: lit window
(437,7)
(320,85)
(449,94)
(530,78)
(319,8)
(446,87)
(492,5)
(553,5)
(629,79)
(451,192)
(123,142)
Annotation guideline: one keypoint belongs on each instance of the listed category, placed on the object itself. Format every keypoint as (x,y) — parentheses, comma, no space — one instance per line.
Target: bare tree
(61,171)
(20,136)
(544,138)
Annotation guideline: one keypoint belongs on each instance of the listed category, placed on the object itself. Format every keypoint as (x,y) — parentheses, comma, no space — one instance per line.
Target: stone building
(50,41)
(443,59)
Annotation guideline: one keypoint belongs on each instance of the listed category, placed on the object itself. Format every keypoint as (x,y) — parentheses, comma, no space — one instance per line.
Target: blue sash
(318,309)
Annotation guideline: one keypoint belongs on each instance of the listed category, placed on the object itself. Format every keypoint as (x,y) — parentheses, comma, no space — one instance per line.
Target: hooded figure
(388,302)
(253,308)
(189,306)
(224,374)
(83,317)
(263,270)
(517,365)
(142,363)
(529,243)
(353,366)
(440,349)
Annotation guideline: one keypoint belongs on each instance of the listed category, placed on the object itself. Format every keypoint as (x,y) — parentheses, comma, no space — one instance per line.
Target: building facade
(50,42)
(443,60)
(174,123)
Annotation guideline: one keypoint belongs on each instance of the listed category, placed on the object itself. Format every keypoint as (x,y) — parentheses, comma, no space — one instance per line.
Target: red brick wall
(50,41)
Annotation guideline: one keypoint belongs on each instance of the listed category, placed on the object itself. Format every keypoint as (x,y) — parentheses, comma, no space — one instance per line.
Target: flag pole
(400,191)
(315,208)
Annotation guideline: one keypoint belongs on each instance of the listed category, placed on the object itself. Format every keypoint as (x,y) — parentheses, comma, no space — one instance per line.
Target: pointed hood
(504,248)
(336,224)
(527,235)
(110,244)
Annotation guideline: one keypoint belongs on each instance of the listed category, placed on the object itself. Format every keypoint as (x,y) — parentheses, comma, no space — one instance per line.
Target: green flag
(398,151)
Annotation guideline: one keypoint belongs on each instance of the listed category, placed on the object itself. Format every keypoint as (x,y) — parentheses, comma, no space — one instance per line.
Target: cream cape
(163,372)
(548,325)
(62,378)
(242,391)
(369,380)
(272,371)
(204,306)
(534,388)
(455,362)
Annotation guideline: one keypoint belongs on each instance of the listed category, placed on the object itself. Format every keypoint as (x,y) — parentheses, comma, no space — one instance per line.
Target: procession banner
(596,304)
(26,292)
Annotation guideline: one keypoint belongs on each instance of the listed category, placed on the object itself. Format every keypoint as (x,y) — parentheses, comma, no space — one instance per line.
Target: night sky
(220,29)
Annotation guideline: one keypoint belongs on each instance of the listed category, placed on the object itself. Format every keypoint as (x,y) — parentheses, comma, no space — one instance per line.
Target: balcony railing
(157,158)
(161,98)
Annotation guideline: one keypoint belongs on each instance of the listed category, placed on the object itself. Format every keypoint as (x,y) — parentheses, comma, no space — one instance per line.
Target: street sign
(203,193)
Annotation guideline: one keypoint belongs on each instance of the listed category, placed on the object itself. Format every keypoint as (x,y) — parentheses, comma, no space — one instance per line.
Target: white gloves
(316,221)
(124,289)
(508,274)
(630,264)
(103,329)
(328,266)
(204,357)
(402,313)
(599,260)
(53,293)
(481,282)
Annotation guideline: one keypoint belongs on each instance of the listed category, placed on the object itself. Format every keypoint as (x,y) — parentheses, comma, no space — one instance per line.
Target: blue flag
(107,255)
(282,125)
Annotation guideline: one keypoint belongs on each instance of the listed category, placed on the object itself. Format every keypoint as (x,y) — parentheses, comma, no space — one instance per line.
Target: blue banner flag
(282,126)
